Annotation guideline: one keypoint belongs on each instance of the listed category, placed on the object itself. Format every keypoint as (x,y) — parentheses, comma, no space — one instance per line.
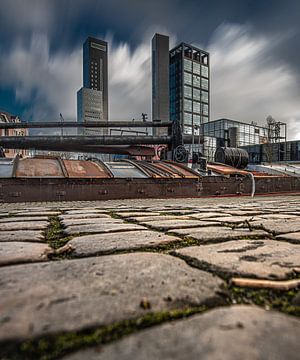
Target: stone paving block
(233,219)
(128,214)
(244,212)
(89,245)
(220,233)
(106,220)
(291,237)
(159,218)
(178,211)
(86,211)
(171,224)
(260,258)
(21,219)
(21,252)
(24,225)
(277,216)
(228,333)
(207,215)
(22,235)
(279,226)
(35,213)
(71,295)
(83,216)
(102,228)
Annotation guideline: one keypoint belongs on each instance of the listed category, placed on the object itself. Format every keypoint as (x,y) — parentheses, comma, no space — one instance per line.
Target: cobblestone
(22,235)
(18,252)
(111,226)
(219,233)
(74,294)
(24,225)
(259,258)
(90,245)
(98,271)
(240,332)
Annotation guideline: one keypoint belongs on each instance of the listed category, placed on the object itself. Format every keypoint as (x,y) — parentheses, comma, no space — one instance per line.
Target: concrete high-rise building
(160,81)
(92,99)
(189,87)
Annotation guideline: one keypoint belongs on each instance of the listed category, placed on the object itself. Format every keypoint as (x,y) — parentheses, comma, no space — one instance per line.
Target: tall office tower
(92,99)
(189,87)
(160,81)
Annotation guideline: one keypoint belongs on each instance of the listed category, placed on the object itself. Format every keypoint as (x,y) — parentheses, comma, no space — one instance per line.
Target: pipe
(253,184)
(74,124)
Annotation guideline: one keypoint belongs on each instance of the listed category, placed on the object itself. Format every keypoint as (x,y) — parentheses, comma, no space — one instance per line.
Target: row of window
(195,106)
(195,68)
(195,81)
(194,119)
(195,94)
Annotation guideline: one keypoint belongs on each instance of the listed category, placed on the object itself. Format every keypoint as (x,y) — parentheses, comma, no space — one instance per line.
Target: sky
(253,45)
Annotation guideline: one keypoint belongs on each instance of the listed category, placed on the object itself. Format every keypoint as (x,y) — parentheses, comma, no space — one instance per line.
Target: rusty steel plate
(226,170)
(86,169)
(39,167)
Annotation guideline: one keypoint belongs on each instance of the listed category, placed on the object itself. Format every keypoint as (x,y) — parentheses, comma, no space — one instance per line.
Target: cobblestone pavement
(214,278)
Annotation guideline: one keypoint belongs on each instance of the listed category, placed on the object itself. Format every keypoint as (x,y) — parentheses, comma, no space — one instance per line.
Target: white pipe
(253,184)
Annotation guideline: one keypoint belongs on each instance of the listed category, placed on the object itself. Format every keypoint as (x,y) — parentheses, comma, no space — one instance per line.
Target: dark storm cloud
(253,47)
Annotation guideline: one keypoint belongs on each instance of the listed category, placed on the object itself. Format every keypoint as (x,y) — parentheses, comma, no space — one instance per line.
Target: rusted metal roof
(39,167)
(86,169)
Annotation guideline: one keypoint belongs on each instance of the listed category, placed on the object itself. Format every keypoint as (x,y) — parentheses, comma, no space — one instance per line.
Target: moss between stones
(54,234)
(55,346)
(267,298)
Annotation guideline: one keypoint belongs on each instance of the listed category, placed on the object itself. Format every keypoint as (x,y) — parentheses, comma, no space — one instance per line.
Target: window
(187,118)
(196,81)
(204,109)
(196,68)
(188,65)
(196,107)
(187,130)
(204,71)
(187,91)
(204,84)
(187,78)
(98,46)
(196,119)
(196,94)
(187,105)
(204,96)
(204,119)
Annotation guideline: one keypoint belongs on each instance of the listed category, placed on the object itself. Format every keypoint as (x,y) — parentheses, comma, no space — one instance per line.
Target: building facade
(274,152)
(92,98)
(160,81)
(5,117)
(189,87)
(233,133)
(90,108)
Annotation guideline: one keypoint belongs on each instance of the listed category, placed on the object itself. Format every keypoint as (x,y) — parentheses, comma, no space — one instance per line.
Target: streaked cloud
(247,83)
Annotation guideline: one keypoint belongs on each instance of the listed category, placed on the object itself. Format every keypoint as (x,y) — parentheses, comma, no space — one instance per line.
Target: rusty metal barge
(46,178)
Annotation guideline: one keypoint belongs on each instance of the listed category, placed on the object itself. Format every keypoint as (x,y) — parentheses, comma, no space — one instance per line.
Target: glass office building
(189,87)
(234,133)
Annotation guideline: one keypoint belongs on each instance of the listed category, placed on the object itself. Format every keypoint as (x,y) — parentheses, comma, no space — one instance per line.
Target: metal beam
(31,142)
(94,124)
